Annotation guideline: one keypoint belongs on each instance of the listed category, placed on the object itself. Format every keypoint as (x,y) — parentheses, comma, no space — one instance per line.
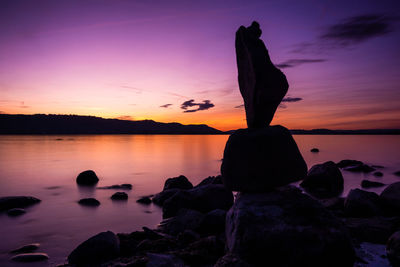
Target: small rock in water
(88,177)
(180,182)
(89,202)
(161,197)
(144,200)
(26,248)
(370,184)
(390,198)
(117,186)
(315,150)
(397,173)
(30,257)
(120,196)
(7,203)
(15,212)
(348,162)
(360,168)
(378,174)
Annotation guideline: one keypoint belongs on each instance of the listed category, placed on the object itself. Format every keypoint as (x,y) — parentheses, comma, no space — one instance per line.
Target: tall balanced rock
(261,84)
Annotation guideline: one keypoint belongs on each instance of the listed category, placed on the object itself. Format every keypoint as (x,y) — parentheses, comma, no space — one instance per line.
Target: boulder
(91,202)
(397,173)
(370,184)
(144,200)
(360,168)
(231,260)
(15,212)
(211,180)
(163,260)
(117,187)
(7,203)
(393,249)
(30,257)
(119,196)
(323,180)
(160,198)
(187,237)
(390,198)
(180,182)
(348,162)
(286,228)
(213,223)
(257,160)
(88,177)
(26,248)
(204,199)
(97,249)
(185,219)
(360,203)
(261,84)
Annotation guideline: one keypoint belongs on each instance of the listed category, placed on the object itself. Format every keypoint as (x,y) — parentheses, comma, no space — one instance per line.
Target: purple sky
(149,59)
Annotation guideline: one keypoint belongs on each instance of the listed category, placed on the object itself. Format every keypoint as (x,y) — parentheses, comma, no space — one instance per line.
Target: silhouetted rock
(211,180)
(286,228)
(180,182)
(119,196)
(213,223)
(375,230)
(160,198)
(27,248)
(390,198)
(397,173)
(7,203)
(117,187)
(335,204)
(370,184)
(360,203)
(160,245)
(188,236)
(323,180)
(157,260)
(97,249)
(348,162)
(15,212)
(393,249)
(30,257)
(88,177)
(204,252)
(314,150)
(144,200)
(91,202)
(378,174)
(261,84)
(204,199)
(257,160)
(185,219)
(231,260)
(360,168)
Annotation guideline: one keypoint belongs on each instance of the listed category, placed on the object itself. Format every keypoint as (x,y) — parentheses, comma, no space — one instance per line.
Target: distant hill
(74,124)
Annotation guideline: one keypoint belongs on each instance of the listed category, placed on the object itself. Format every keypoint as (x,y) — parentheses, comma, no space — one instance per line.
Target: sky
(174,61)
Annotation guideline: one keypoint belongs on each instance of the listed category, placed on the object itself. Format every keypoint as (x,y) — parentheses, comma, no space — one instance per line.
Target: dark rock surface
(91,202)
(231,260)
(15,212)
(257,160)
(166,260)
(88,177)
(378,174)
(97,249)
(393,249)
(7,203)
(30,257)
(180,182)
(286,229)
(211,180)
(323,180)
(119,196)
(360,168)
(185,219)
(371,184)
(160,198)
(314,150)
(144,200)
(213,222)
(390,198)
(348,162)
(26,248)
(397,173)
(360,203)
(261,84)
(117,187)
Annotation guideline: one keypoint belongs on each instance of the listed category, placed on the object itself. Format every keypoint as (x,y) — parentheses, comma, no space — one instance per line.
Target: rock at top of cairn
(261,84)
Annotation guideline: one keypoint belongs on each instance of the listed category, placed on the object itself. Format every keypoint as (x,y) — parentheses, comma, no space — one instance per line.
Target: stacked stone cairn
(272,223)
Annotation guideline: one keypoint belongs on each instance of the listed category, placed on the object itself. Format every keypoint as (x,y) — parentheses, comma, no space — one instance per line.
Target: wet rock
(160,198)
(97,249)
(375,230)
(117,187)
(231,260)
(27,248)
(144,200)
(30,257)
(213,222)
(257,160)
(166,260)
(393,249)
(119,196)
(261,84)
(211,180)
(360,203)
(286,229)
(157,245)
(180,182)
(129,242)
(323,180)
(15,212)
(187,237)
(185,219)
(360,168)
(314,150)
(334,203)
(204,199)
(348,162)
(378,174)
(7,203)
(370,184)
(88,177)
(397,173)
(390,198)
(91,202)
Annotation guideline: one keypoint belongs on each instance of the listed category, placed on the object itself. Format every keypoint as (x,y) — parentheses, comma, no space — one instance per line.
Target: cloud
(22,105)
(292,99)
(200,106)
(125,118)
(296,62)
(240,106)
(132,88)
(165,106)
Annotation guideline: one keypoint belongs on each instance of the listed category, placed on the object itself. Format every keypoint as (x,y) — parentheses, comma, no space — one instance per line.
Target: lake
(46,167)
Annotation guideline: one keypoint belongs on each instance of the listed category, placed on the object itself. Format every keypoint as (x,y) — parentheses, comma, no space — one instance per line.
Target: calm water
(46,167)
